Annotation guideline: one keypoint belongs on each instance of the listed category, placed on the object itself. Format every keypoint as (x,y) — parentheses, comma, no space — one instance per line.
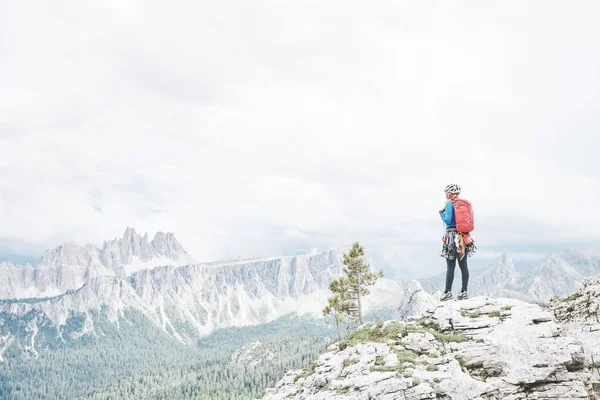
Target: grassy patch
(373,333)
(300,376)
(572,297)
(484,375)
(506,308)
(447,337)
(349,361)
(425,323)
(416,382)
(432,367)
(494,314)
(437,380)
(408,374)
(306,373)
(463,364)
(343,391)
(396,368)
(470,314)
(405,356)
(379,360)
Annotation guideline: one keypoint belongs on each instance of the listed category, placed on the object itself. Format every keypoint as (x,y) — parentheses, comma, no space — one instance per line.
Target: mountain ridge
(557,274)
(69,266)
(193,299)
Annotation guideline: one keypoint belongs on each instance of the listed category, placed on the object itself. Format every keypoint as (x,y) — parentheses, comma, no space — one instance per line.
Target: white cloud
(277,126)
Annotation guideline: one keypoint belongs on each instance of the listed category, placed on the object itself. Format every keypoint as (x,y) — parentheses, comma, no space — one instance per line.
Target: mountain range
(187,299)
(148,297)
(558,274)
(76,287)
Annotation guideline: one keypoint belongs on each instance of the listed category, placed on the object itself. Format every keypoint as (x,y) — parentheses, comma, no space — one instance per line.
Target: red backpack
(465,219)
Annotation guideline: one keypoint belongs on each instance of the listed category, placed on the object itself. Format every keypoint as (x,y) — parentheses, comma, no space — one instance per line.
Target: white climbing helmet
(452,188)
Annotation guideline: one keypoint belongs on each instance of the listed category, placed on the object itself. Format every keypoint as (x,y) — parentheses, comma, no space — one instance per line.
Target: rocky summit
(481,348)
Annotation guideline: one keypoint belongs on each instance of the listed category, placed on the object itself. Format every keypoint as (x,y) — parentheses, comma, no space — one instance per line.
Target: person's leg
(464,272)
(450,266)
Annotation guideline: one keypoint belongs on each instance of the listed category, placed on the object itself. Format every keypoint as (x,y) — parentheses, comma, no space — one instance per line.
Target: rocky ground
(481,348)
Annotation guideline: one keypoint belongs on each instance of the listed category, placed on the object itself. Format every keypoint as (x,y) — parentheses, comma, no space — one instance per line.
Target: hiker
(457,243)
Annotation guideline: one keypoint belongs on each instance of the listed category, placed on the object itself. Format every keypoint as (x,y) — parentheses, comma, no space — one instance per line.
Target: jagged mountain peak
(119,251)
(129,232)
(503,264)
(69,266)
(129,236)
(67,254)
(167,244)
(506,260)
(133,252)
(7,264)
(553,263)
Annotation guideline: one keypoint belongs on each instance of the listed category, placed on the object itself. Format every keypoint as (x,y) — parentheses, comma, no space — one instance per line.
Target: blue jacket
(448,215)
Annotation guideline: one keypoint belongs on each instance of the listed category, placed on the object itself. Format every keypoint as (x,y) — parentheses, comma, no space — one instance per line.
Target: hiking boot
(462,295)
(446,296)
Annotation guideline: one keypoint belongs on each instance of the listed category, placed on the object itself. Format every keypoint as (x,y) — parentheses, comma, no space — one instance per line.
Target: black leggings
(464,272)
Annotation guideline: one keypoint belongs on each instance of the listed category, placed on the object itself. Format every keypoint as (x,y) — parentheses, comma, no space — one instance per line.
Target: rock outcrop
(579,315)
(482,348)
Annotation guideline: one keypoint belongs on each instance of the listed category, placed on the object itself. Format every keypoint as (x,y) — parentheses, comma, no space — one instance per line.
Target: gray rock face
(580,317)
(17,280)
(69,266)
(414,300)
(481,348)
(582,306)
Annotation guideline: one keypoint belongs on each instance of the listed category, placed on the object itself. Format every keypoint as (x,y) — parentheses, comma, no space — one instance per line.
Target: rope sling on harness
(459,242)
(461,246)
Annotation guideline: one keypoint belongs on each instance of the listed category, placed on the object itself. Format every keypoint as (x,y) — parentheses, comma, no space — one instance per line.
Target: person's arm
(448,213)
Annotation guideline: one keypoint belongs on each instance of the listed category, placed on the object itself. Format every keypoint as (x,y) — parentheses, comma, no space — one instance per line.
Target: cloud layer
(273,127)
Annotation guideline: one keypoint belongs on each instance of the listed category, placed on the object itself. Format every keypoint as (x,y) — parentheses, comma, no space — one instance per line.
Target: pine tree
(354,285)
(337,308)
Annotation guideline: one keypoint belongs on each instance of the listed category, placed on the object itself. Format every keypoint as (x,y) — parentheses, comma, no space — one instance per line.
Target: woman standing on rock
(457,243)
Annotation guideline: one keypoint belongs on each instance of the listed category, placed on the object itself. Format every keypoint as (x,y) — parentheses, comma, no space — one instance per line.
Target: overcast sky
(271,127)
